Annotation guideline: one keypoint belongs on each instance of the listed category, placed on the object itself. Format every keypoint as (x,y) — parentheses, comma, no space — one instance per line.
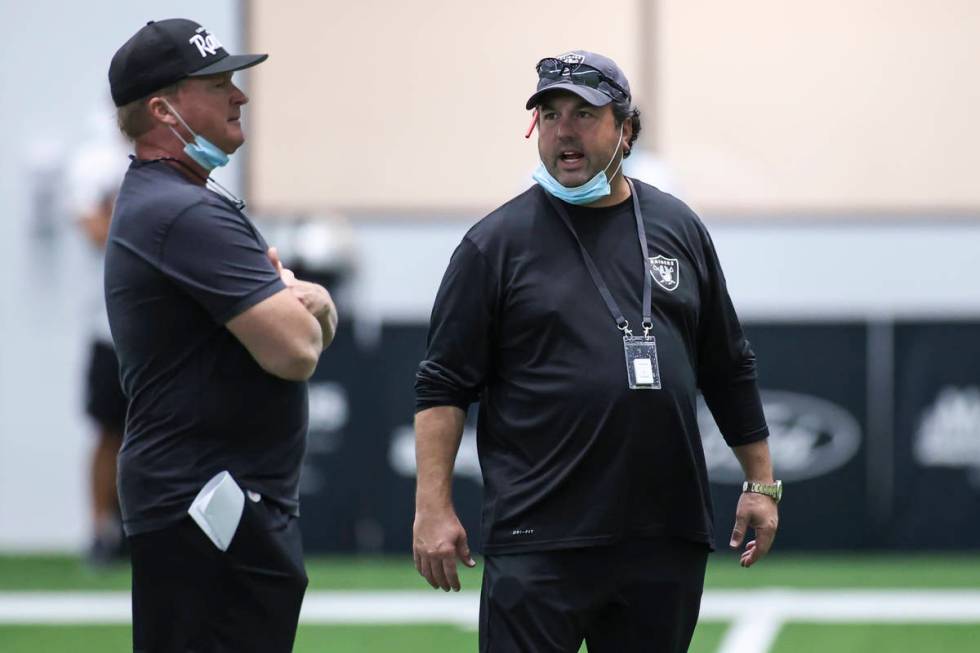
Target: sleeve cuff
(251,299)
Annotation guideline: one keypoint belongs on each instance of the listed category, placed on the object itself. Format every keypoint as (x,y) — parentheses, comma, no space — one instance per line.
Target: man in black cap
(585,315)
(215,341)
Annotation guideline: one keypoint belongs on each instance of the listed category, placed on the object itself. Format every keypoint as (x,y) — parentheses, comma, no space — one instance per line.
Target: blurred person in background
(216,340)
(585,315)
(94,174)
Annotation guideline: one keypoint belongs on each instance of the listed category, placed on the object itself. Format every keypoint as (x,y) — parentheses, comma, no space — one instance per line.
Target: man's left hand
(315,298)
(760,513)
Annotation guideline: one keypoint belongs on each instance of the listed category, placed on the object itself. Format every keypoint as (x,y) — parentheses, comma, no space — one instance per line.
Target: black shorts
(190,596)
(639,595)
(104,399)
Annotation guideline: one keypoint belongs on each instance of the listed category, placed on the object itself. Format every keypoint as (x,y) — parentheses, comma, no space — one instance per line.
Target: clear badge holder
(642,368)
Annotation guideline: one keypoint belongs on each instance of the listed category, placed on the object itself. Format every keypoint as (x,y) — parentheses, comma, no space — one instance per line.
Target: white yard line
(751,633)
(755,615)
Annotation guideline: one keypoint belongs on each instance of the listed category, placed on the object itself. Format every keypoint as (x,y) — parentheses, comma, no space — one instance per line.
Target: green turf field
(311,639)
(845,573)
(39,572)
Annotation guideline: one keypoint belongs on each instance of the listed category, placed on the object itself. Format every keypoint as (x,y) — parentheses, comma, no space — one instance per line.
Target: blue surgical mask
(202,151)
(591,191)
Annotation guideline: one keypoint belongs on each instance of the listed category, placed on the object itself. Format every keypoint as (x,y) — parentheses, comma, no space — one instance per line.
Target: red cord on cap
(534,121)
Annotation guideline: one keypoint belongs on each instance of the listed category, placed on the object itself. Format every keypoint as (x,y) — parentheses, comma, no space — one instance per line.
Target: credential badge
(666,272)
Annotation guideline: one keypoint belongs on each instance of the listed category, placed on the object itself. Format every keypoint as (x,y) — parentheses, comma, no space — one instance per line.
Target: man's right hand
(438,540)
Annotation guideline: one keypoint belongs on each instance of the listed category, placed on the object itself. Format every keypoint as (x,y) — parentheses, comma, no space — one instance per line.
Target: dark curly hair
(623,110)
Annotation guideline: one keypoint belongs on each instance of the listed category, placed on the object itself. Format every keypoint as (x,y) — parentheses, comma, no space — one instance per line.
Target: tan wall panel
(853,104)
(417,105)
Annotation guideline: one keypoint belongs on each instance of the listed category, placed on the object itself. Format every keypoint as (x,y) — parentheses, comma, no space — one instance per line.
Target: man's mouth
(571,160)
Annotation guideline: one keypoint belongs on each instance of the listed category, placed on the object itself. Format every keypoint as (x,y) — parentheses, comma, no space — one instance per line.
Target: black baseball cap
(593,77)
(166,51)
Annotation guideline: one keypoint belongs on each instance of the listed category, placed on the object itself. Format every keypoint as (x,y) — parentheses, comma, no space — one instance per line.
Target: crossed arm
(314,297)
(287,331)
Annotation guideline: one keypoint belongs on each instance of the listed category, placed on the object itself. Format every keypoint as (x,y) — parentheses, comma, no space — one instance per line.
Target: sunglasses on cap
(577,73)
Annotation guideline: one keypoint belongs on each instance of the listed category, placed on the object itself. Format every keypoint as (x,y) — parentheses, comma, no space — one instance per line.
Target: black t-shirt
(180,263)
(571,456)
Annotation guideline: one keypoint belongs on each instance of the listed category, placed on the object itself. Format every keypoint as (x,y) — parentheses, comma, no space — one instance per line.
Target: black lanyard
(621,322)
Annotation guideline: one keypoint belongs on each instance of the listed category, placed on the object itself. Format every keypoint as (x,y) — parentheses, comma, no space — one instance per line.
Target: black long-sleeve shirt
(571,456)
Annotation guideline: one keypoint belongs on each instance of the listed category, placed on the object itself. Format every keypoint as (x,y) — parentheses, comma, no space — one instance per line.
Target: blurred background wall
(830,148)
(758,107)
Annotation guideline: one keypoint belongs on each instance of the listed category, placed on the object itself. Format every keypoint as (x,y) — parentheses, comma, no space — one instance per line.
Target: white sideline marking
(391,607)
(756,615)
(846,606)
(340,607)
(64,607)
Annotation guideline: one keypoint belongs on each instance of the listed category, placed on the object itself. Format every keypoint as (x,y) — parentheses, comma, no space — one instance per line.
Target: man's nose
(561,128)
(564,127)
(239,97)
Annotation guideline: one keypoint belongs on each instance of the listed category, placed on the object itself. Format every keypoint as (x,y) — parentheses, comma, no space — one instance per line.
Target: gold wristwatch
(772,490)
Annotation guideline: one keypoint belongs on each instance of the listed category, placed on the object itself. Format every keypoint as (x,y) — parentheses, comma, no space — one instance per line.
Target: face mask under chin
(202,151)
(591,191)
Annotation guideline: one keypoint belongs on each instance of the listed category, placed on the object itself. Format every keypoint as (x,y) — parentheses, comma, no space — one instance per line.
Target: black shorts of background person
(104,400)
(105,404)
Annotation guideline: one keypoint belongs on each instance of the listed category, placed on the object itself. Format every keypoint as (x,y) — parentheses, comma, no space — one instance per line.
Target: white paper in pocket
(217,509)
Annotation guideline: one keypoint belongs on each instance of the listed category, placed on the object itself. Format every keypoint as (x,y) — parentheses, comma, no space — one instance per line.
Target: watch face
(775,490)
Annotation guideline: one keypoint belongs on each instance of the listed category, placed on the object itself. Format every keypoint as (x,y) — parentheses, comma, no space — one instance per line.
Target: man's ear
(627,133)
(159,111)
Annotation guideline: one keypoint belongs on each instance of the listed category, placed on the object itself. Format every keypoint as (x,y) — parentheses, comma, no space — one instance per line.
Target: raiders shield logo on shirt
(666,272)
